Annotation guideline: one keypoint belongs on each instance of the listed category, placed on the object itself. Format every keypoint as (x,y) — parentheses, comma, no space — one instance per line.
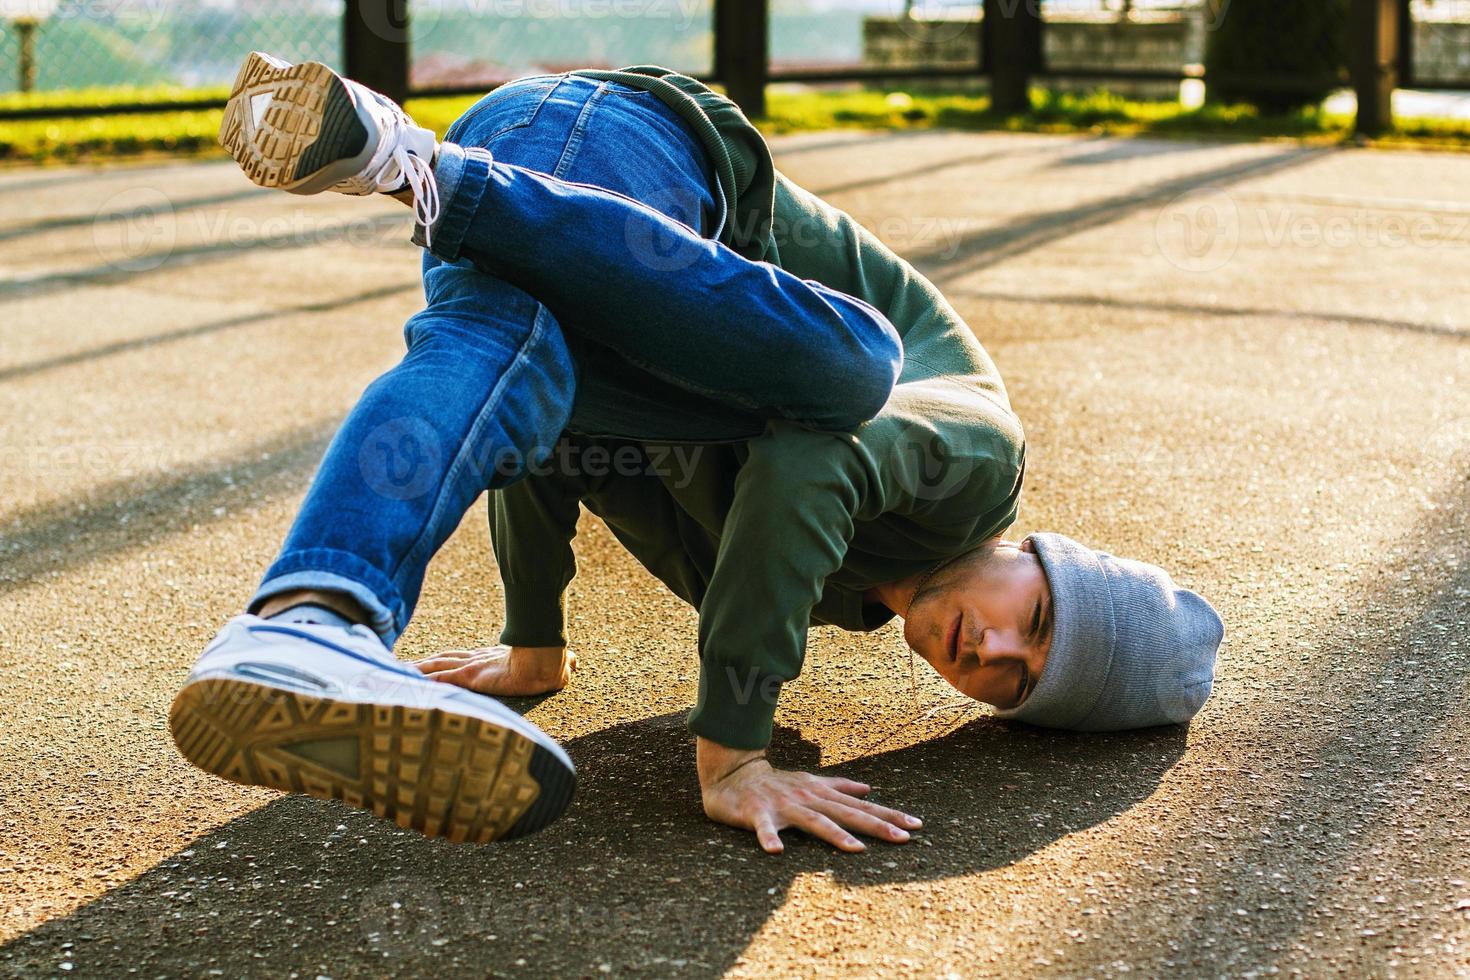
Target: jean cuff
(328,570)
(462,173)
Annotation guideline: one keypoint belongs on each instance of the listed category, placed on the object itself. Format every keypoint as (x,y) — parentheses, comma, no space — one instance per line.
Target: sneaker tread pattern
(437,772)
(311,122)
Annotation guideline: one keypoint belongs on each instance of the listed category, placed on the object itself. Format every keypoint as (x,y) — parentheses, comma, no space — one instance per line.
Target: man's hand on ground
(740,788)
(503,671)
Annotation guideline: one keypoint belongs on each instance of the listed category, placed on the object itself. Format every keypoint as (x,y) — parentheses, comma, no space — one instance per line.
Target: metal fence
(1142,46)
(458,44)
(82,44)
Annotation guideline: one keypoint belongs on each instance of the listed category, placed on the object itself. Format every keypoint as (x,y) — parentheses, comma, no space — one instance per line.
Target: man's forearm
(787,530)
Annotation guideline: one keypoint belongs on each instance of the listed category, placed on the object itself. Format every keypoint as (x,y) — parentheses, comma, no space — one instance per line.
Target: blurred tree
(1278,56)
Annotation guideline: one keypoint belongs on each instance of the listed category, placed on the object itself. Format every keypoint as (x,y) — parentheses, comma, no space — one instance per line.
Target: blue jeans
(571,285)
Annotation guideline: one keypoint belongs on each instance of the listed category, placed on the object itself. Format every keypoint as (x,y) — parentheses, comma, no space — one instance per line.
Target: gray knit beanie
(1129,648)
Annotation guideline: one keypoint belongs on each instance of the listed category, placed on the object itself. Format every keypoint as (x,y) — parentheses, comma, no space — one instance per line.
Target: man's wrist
(538,663)
(716,761)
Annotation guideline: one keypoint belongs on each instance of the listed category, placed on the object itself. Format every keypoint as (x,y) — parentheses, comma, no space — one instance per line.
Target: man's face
(984,622)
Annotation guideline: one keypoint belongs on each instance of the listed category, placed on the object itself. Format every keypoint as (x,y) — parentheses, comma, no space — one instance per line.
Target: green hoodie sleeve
(532,524)
(788,528)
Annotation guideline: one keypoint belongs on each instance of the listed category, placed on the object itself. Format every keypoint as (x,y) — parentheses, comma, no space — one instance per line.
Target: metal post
(1406,44)
(1011,52)
(1375,50)
(742,29)
(26,30)
(375,45)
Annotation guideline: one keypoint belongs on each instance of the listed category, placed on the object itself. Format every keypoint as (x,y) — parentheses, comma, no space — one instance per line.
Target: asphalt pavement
(1247,362)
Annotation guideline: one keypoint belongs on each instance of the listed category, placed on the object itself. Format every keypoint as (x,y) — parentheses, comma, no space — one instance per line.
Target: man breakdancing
(613,266)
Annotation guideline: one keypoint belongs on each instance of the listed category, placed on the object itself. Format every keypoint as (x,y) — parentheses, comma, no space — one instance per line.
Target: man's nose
(997,645)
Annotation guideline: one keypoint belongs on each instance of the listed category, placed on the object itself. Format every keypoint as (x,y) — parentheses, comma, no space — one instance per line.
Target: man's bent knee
(856,391)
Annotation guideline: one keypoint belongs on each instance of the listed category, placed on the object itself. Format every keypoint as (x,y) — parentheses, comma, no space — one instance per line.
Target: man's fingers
(861,821)
(768,835)
(887,814)
(821,826)
(463,676)
(451,657)
(441,662)
(848,786)
(450,660)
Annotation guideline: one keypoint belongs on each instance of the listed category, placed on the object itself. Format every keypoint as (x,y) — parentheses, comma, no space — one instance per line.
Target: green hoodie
(768,536)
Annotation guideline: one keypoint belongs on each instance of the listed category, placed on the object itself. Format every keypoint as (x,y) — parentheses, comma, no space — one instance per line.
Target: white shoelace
(387,174)
(419,173)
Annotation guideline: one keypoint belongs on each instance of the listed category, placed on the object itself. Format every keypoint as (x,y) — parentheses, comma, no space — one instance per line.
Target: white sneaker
(305,129)
(331,713)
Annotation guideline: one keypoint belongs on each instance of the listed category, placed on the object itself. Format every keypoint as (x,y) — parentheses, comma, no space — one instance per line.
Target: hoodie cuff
(535,615)
(737,707)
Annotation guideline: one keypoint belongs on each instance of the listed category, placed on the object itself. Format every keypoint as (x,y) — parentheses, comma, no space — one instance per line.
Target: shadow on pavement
(99,172)
(202,329)
(1211,309)
(939,166)
(135,214)
(991,246)
(847,140)
(1115,150)
(136,266)
(633,875)
(1348,784)
(131,513)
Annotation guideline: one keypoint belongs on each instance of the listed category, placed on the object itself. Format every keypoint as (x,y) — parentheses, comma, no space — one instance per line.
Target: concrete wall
(894,41)
(1151,41)
(1145,42)
(1442,51)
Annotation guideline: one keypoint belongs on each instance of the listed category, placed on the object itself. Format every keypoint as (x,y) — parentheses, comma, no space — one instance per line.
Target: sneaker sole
(440,773)
(309,123)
